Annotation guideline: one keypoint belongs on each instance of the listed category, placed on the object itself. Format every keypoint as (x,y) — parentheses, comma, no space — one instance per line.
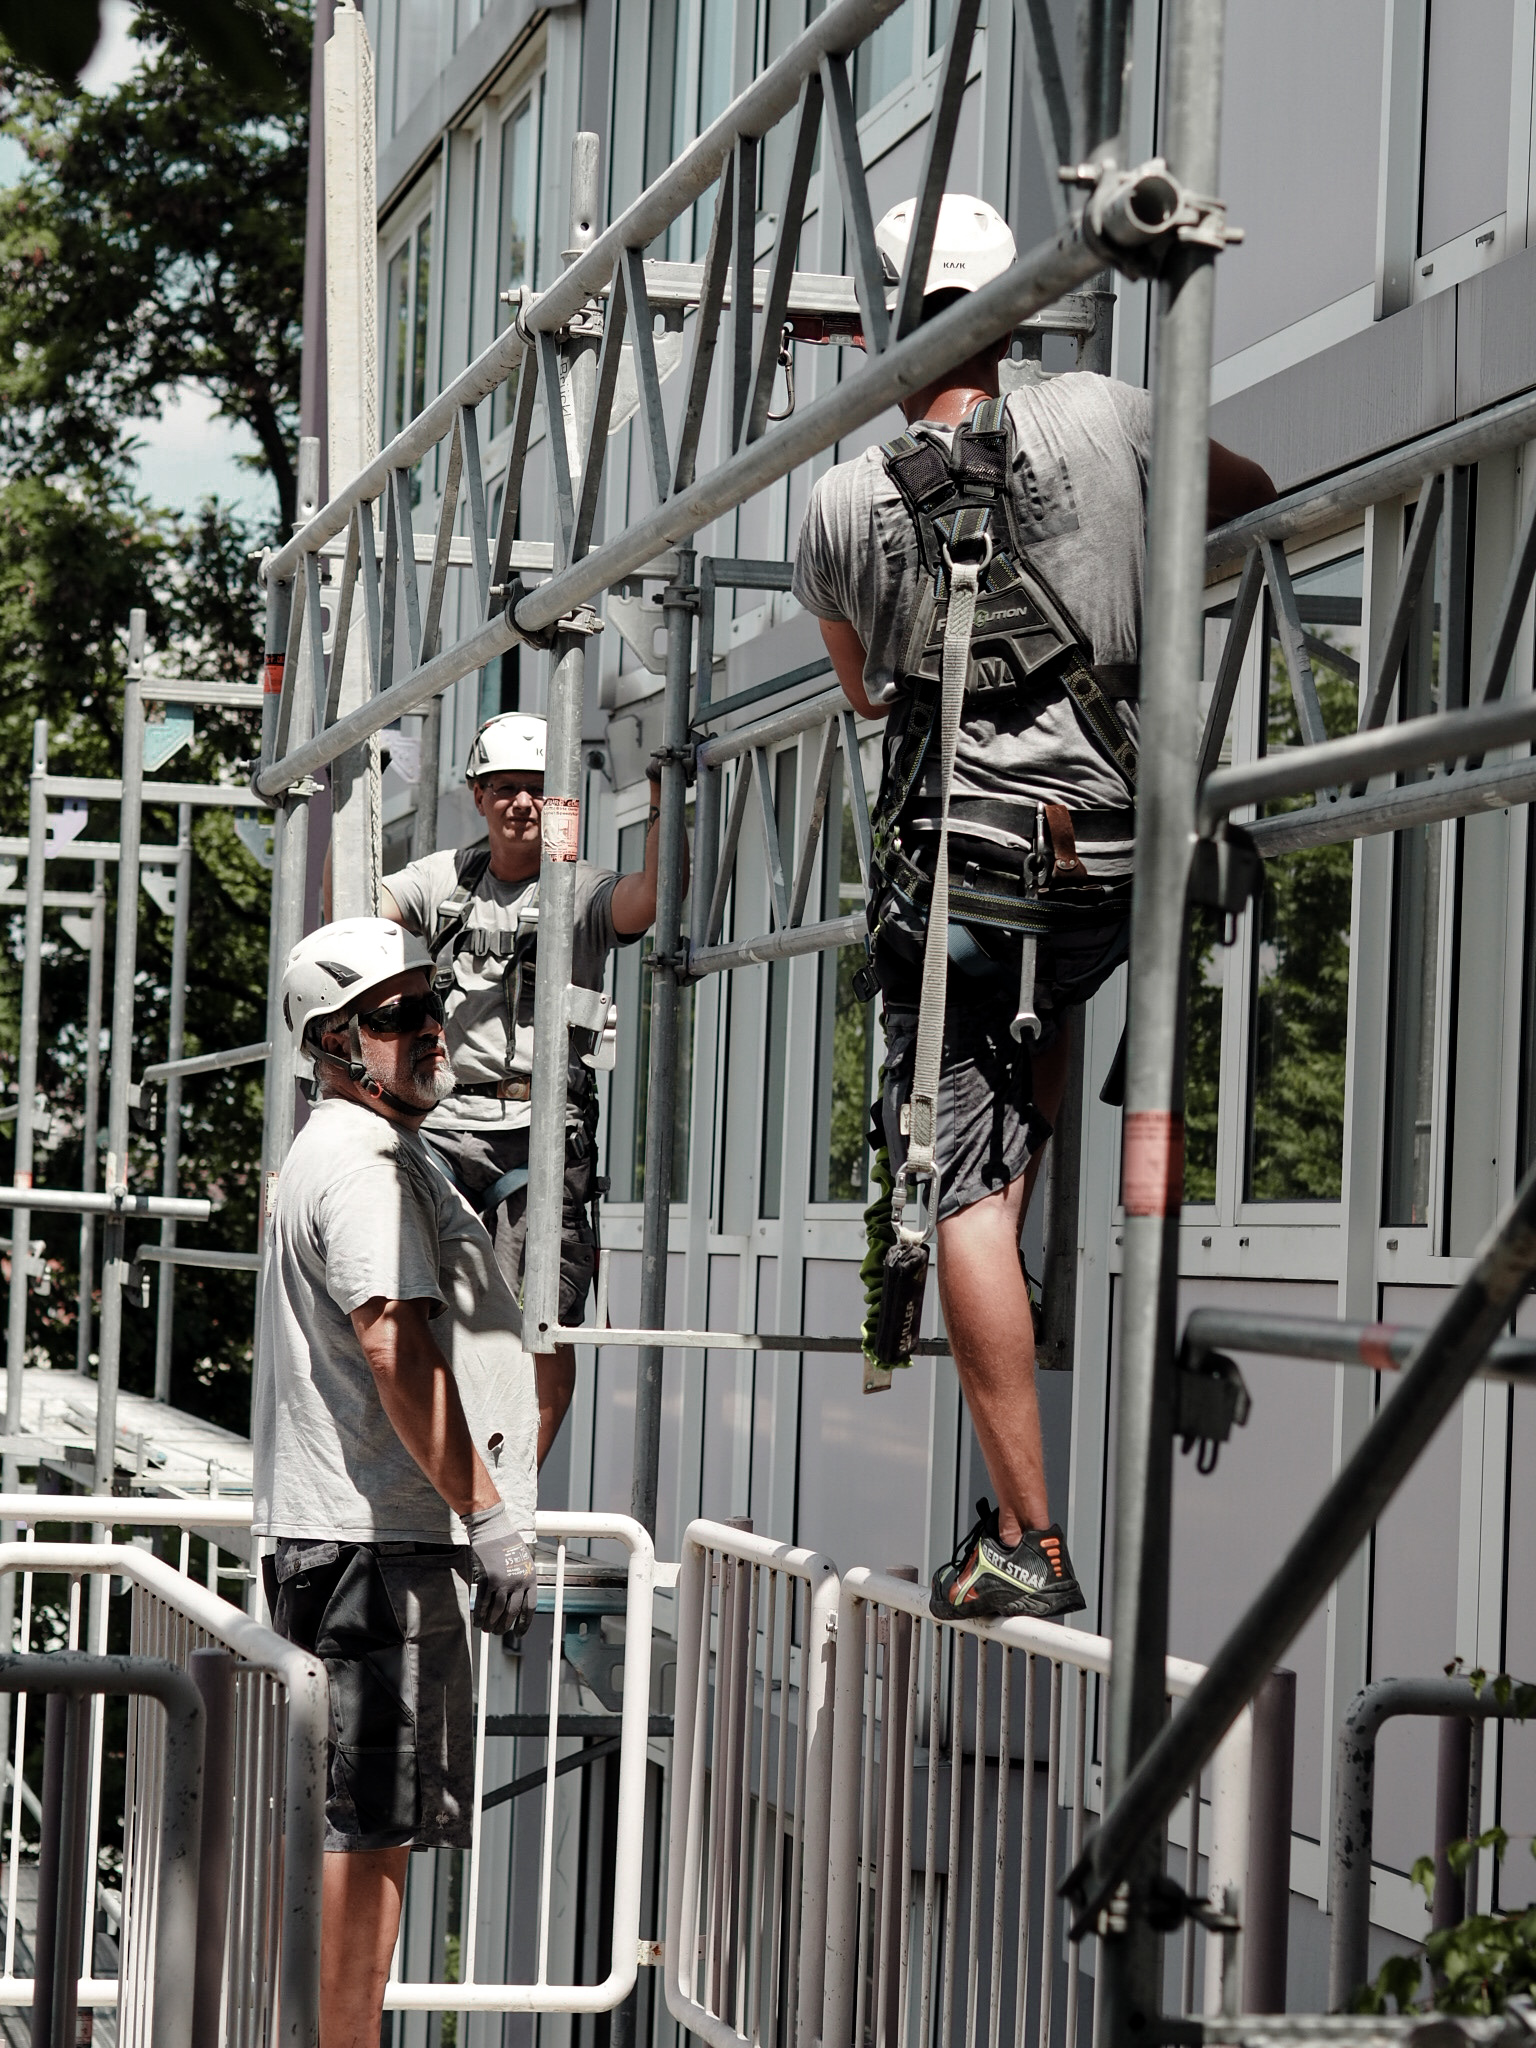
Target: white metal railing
(943,1917)
(281,1721)
(881,1866)
(751,1786)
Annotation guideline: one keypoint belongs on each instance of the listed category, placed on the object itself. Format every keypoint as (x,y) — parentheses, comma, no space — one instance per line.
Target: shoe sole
(1045,1606)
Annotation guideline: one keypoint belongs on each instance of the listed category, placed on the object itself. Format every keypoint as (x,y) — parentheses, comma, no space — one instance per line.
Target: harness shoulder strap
(470,865)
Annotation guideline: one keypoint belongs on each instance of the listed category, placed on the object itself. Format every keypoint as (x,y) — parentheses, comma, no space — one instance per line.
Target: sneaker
(985,1579)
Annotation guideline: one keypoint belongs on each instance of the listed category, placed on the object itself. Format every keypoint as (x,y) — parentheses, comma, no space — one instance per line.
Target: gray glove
(506,1586)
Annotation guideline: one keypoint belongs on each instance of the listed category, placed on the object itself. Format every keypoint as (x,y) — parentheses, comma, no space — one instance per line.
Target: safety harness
(988,628)
(453,934)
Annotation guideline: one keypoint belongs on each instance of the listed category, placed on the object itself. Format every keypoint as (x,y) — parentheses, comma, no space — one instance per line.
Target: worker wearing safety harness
(978,583)
(478,911)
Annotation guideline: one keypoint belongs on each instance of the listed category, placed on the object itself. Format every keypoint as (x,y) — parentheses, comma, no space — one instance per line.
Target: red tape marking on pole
(1152,1172)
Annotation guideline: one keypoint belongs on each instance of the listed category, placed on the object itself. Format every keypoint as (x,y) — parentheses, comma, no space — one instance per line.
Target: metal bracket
(1210,1398)
(1226,873)
(595,1661)
(586,1009)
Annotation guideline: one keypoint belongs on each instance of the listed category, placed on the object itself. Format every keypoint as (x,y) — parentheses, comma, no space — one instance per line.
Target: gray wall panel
(1380,387)
(1495,333)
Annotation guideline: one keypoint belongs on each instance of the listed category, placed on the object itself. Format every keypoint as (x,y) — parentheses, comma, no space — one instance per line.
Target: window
(416,23)
(844,1025)
(1301,952)
(625,1164)
(517,219)
(1202,1049)
(1466,117)
(407,304)
(1416,909)
(771,1165)
(883,61)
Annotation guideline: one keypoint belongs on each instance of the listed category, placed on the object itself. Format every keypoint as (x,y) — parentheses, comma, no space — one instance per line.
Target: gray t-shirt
(361,1210)
(477,1020)
(1079,487)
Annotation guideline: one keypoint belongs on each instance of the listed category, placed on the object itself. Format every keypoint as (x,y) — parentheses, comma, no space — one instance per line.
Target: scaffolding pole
(26,1073)
(1130,1949)
(120,1068)
(170,1158)
(95,977)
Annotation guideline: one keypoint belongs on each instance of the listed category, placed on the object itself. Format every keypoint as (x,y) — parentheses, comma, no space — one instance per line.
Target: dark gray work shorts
(476,1160)
(390,1623)
(988,1125)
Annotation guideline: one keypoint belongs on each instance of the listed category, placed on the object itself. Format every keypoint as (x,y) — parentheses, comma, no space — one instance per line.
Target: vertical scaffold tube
(120,1071)
(26,1073)
(170,1155)
(551,1028)
(95,977)
(1153,1147)
(680,602)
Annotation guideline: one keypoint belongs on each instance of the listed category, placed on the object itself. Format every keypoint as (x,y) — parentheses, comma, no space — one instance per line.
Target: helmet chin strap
(359,1075)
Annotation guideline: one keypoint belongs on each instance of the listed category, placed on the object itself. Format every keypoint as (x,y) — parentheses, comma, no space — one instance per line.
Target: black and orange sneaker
(984,1579)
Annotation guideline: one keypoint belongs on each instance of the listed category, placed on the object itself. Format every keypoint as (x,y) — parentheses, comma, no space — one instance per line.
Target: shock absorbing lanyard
(964,584)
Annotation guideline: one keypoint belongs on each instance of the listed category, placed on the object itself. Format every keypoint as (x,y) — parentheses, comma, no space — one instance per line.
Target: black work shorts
(988,1125)
(477,1159)
(390,1623)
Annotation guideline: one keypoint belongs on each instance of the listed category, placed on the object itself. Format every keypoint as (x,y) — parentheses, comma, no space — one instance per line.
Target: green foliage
(1202,1061)
(157,238)
(1302,993)
(58,39)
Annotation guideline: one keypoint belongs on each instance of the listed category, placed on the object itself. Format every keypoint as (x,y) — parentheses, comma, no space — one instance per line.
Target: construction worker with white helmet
(395,1423)
(477,910)
(978,584)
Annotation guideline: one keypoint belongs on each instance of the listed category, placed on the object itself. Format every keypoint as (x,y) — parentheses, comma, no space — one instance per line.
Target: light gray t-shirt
(361,1210)
(477,1020)
(1079,487)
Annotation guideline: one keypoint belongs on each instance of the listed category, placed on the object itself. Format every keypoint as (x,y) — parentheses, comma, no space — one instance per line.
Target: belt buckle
(517,1089)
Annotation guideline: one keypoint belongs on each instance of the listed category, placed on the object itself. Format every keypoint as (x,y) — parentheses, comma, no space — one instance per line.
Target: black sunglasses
(403,1015)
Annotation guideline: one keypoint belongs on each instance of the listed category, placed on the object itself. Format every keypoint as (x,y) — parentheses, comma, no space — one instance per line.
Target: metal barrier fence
(833,1872)
(279,1722)
(751,1761)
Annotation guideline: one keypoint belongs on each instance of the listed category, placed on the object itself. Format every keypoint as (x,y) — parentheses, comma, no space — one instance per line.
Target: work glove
(506,1584)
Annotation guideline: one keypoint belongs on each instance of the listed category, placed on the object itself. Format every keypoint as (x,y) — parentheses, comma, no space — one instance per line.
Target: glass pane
(844,1028)
(631,1076)
(1466,117)
(517,253)
(771,1175)
(940,14)
(472,331)
(1415,948)
(883,61)
(397,334)
(1301,954)
(416,27)
(1202,1058)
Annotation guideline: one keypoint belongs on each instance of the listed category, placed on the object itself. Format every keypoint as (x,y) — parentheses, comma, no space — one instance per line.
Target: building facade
(1360,1100)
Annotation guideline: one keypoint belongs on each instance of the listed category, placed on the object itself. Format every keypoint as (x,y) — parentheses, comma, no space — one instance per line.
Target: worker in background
(394,1425)
(1046,490)
(478,911)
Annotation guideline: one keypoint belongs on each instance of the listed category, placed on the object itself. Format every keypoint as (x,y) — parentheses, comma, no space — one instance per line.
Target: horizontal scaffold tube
(1377,480)
(785,945)
(1384,750)
(769,732)
(208,1062)
(1395,810)
(1382,1347)
(76,1202)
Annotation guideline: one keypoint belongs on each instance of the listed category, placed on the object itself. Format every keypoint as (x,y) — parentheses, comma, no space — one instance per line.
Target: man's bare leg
(554,1374)
(361,1891)
(992,1329)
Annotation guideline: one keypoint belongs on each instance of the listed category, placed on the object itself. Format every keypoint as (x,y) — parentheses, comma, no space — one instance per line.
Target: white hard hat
(971,245)
(511,740)
(339,965)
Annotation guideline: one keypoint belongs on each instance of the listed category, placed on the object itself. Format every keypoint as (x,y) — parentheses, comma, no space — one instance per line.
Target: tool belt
(515,1088)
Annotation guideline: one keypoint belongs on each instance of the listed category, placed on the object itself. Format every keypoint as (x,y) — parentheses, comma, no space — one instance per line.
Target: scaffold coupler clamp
(581,619)
(1135,218)
(1226,874)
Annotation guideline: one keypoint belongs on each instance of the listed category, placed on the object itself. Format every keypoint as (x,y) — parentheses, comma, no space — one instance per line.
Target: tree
(156,239)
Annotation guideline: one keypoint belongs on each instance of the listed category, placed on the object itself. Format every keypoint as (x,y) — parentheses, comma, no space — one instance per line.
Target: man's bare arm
(1234,486)
(633,903)
(419,1395)
(847,651)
